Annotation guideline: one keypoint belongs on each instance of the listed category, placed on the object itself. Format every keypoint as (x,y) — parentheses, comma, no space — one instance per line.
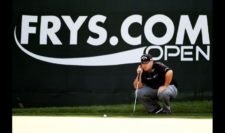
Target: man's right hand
(137,82)
(139,70)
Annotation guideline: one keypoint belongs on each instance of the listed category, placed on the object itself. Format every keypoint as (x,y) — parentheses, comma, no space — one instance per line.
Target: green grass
(192,109)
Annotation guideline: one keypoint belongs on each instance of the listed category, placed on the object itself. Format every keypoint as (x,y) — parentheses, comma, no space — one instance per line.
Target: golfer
(156,86)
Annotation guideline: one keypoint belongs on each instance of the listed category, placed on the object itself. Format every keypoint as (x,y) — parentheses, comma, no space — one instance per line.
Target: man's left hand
(161,89)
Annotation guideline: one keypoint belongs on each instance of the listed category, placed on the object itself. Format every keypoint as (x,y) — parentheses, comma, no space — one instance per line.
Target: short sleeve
(161,67)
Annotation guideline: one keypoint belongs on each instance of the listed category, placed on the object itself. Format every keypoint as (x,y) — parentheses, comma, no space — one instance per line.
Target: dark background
(36,83)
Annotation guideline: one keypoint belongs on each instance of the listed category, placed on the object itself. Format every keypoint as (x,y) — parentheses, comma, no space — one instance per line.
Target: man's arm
(137,82)
(168,79)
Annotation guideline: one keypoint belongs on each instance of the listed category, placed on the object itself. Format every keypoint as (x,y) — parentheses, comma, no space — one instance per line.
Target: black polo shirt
(156,77)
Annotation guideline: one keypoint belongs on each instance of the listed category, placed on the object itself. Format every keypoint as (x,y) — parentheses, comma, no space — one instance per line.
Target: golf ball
(104,115)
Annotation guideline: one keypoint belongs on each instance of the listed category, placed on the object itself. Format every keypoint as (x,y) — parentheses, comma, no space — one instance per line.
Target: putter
(136,91)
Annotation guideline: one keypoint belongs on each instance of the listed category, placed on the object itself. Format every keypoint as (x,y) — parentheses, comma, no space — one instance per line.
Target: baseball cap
(146,58)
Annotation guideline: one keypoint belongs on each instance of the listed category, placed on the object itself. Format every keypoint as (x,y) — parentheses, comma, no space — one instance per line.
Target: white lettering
(148,50)
(183,53)
(149,33)
(92,26)
(199,50)
(74,27)
(26,29)
(46,32)
(185,25)
(125,30)
(167,54)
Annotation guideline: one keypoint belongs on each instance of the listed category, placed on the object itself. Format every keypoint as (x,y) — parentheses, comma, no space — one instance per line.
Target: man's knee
(163,95)
(146,93)
(140,94)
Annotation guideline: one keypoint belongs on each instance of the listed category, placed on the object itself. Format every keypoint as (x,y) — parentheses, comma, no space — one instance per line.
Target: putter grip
(138,76)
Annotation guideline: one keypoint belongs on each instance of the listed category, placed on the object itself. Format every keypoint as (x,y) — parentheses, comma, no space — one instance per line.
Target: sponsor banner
(96,52)
(97,36)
